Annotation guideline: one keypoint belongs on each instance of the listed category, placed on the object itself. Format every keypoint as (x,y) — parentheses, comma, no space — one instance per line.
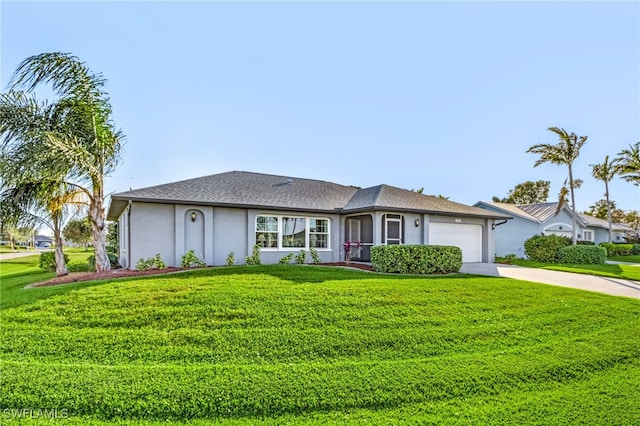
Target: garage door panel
(464,235)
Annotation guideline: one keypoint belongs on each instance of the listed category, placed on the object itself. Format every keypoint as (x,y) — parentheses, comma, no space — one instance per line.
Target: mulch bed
(74,277)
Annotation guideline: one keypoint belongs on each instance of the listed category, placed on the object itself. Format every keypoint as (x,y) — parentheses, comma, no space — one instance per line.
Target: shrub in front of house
(48,261)
(623,249)
(79,267)
(416,259)
(545,248)
(635,250)
(618,249)
(582,255)
(315,256)
(113,260)
(191,260)
(155,262)
(585,243)
(255,258)
(300,257)
(285,260)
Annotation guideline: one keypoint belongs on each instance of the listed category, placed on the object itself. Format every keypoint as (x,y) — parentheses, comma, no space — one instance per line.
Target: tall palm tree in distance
(563,153)
(87,148)
(605,172)
(629,161)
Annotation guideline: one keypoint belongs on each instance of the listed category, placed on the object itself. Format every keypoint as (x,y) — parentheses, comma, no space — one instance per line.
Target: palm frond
(628,161)
(562,198)
(65,72)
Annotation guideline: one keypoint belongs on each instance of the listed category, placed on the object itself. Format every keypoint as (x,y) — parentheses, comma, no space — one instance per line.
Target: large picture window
(285,232)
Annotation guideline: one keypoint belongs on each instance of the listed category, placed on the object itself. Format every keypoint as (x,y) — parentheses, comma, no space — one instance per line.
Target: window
(319,233)
(284,232)
(294,232)
(267,231)
(393,229)
(588,235)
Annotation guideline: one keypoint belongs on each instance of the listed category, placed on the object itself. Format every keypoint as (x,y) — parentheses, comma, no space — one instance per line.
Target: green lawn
(16,273)
(318,345)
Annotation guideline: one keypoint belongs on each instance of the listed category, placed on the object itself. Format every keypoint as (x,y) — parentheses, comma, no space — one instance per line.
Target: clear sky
(442,95)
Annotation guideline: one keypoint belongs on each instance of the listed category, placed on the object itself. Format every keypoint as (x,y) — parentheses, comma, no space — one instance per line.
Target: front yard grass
(318,345)
(16,273)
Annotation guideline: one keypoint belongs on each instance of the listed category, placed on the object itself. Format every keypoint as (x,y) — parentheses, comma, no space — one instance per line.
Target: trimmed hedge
(582,255)
(416,259)
(618,249)
(545,248)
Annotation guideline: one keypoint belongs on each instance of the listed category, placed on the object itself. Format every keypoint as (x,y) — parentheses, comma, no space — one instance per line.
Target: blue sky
(445,96)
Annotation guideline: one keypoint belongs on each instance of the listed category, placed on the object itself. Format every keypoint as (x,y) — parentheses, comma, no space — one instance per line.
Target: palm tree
(33,190)
(605,172)
(88,147)
(41,203)
(629,161)
(563,153)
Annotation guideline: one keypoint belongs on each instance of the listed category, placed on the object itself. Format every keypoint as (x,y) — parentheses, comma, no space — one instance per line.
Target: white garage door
(466,236)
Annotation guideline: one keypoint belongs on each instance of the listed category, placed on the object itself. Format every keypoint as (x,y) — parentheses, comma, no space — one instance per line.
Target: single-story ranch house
(231,212)
(544,218)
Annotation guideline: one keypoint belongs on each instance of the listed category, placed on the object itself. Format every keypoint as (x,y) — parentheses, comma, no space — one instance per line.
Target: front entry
(194,232)
(360,228)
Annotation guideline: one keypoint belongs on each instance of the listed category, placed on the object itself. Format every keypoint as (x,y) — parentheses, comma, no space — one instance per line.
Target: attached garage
(464,235)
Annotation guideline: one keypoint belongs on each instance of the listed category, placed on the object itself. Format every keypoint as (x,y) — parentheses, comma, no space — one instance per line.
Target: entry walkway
(612,286)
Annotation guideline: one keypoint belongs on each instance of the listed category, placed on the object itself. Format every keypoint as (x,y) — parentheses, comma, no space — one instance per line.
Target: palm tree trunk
(97,218)
(574,239)
(61,266)
(606,193)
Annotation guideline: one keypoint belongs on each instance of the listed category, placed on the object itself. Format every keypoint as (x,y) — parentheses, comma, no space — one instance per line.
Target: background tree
(599,210)
(605,172)
(34,191)
(528,192)
(37,204)
(563,153)
(629,164)
(78,231)
(113,246)
(632,218)
(90,148)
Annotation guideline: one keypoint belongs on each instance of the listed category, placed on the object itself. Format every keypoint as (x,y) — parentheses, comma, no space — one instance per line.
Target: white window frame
(395,219)
(587,235)
(280,232)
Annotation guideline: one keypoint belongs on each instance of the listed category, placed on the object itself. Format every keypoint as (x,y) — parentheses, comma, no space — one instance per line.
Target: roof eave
(120,198)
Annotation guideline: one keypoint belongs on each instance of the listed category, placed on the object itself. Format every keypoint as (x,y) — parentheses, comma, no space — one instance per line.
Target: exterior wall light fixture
(417,222)
(193,216)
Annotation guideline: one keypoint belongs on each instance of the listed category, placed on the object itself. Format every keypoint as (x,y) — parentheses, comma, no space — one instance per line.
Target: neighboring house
(233,211)
(535,219)
(42,241)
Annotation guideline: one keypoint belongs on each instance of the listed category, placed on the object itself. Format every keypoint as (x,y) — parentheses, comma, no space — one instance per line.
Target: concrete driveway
(17,254)
(612,286)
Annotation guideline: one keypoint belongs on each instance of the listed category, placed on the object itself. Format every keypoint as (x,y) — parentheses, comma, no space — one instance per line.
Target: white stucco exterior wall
(152,232)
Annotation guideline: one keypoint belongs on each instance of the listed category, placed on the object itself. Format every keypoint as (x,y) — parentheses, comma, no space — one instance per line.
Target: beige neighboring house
(233,211)
(544,218)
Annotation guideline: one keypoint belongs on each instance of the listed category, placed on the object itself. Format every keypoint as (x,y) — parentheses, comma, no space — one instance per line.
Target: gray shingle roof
(599,223)
(256,190)
(540,212)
